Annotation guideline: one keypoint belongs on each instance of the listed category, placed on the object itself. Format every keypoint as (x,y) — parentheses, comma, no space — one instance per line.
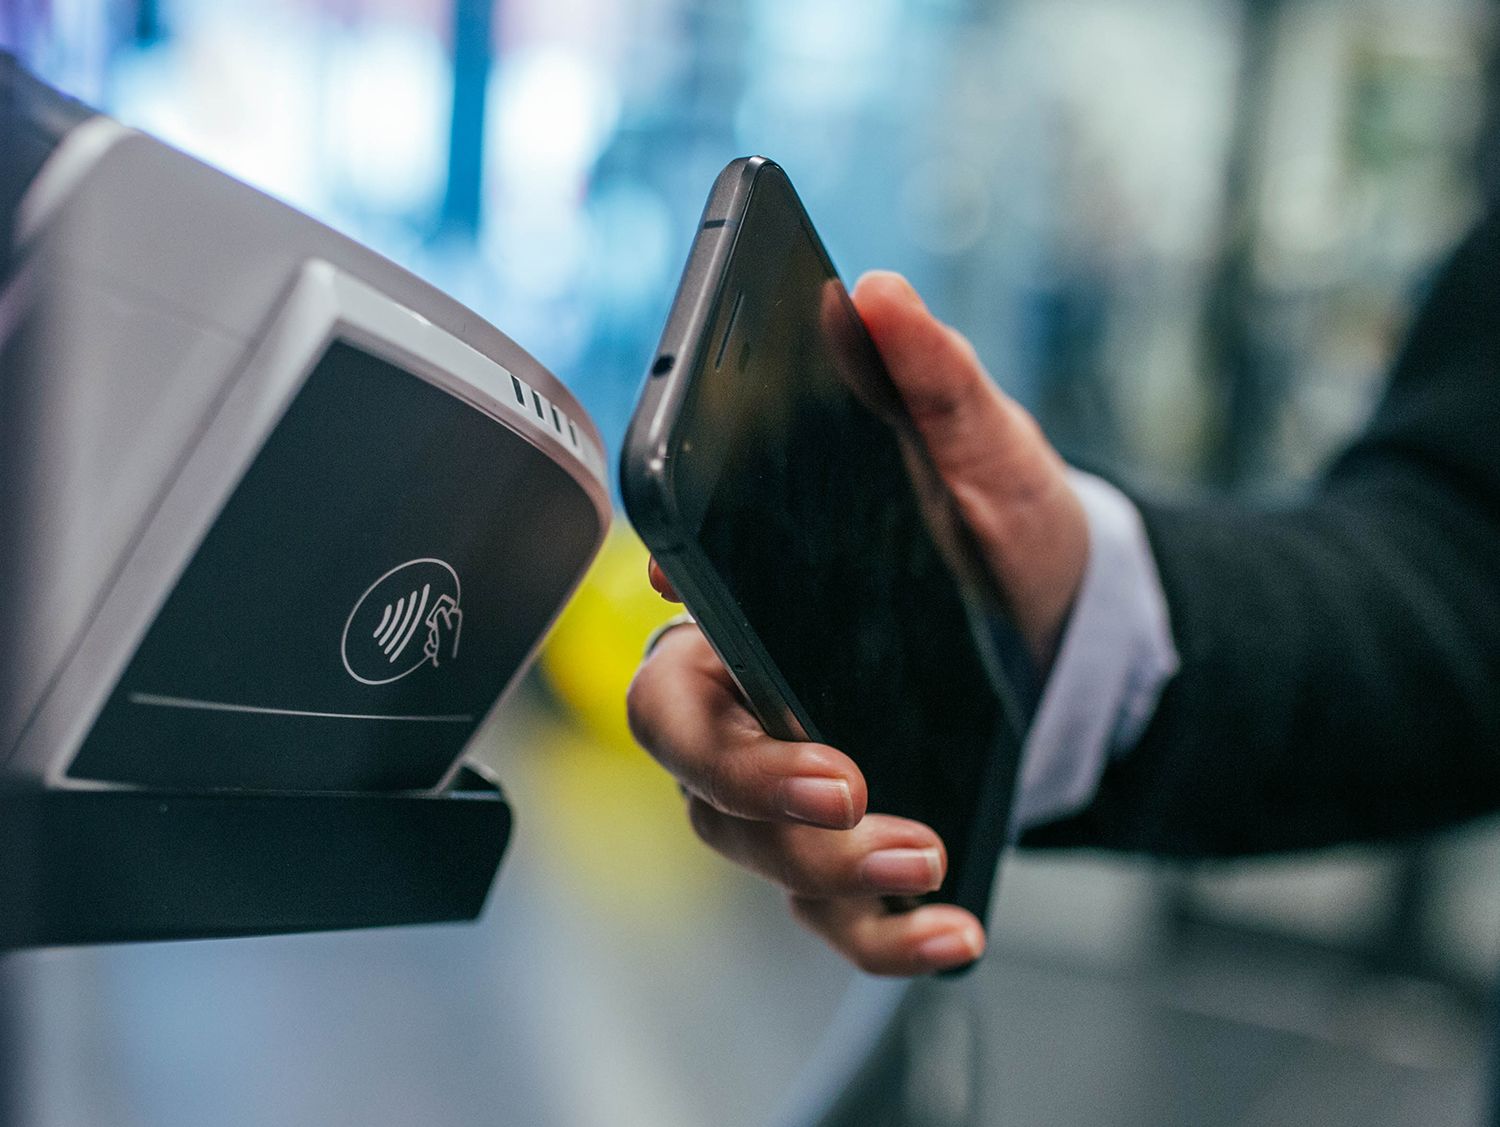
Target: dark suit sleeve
(1340,671)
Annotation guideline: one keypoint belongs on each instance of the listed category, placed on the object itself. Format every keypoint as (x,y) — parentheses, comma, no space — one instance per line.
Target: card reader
(277,515)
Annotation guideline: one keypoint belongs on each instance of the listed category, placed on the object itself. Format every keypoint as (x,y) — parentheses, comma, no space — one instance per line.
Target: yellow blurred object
(612,826)
(596,645)
(613,820)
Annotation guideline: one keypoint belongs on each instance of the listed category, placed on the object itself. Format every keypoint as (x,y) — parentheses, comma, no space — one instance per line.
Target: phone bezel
(649,485)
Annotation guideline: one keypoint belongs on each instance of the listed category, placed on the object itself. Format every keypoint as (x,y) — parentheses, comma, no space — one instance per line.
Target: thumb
(1009,484)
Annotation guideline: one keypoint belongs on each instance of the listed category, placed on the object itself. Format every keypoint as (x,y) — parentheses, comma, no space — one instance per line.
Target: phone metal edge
(646,467)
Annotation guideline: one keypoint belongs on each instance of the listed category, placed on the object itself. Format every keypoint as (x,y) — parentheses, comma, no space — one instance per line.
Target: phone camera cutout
(663,364)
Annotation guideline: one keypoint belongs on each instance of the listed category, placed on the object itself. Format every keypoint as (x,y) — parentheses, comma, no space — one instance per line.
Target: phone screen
(828,532)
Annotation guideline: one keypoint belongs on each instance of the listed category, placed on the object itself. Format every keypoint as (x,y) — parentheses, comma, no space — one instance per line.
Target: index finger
(660,583)
(685,710)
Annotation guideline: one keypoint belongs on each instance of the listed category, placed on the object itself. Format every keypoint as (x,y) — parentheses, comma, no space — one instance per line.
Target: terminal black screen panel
(378,576)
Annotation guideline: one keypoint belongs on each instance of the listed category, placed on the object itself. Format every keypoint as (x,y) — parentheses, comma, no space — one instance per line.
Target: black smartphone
(774,474)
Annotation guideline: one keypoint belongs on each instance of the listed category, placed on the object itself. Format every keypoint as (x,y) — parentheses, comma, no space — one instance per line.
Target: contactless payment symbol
(407,618)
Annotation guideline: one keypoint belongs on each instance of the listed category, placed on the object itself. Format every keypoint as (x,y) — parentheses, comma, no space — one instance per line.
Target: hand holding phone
(820,516)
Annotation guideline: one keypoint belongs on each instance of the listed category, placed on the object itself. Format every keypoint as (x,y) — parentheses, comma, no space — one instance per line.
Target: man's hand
(1008,482)
(795,812)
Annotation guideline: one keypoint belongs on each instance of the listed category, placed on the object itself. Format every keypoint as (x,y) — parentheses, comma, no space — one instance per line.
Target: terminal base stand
(122,865)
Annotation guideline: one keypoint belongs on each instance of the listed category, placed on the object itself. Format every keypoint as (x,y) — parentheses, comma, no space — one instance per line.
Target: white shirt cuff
(1115,659)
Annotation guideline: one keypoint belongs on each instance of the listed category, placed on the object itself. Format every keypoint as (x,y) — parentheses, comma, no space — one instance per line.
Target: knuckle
(638,707)
(705,822)
(858,951)
(716,784)
(1023,518)
(792,871)
(804,911)
(728,781)
(842,935)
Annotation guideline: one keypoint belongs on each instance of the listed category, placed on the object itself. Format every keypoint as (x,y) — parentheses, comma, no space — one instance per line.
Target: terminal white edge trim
(371,320)
(64,170)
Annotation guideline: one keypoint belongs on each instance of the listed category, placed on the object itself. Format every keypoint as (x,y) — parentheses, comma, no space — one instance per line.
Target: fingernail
(823,802)
(952,948)
(902,870)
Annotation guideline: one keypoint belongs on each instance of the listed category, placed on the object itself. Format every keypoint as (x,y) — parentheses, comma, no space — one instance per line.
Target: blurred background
(1187,233)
